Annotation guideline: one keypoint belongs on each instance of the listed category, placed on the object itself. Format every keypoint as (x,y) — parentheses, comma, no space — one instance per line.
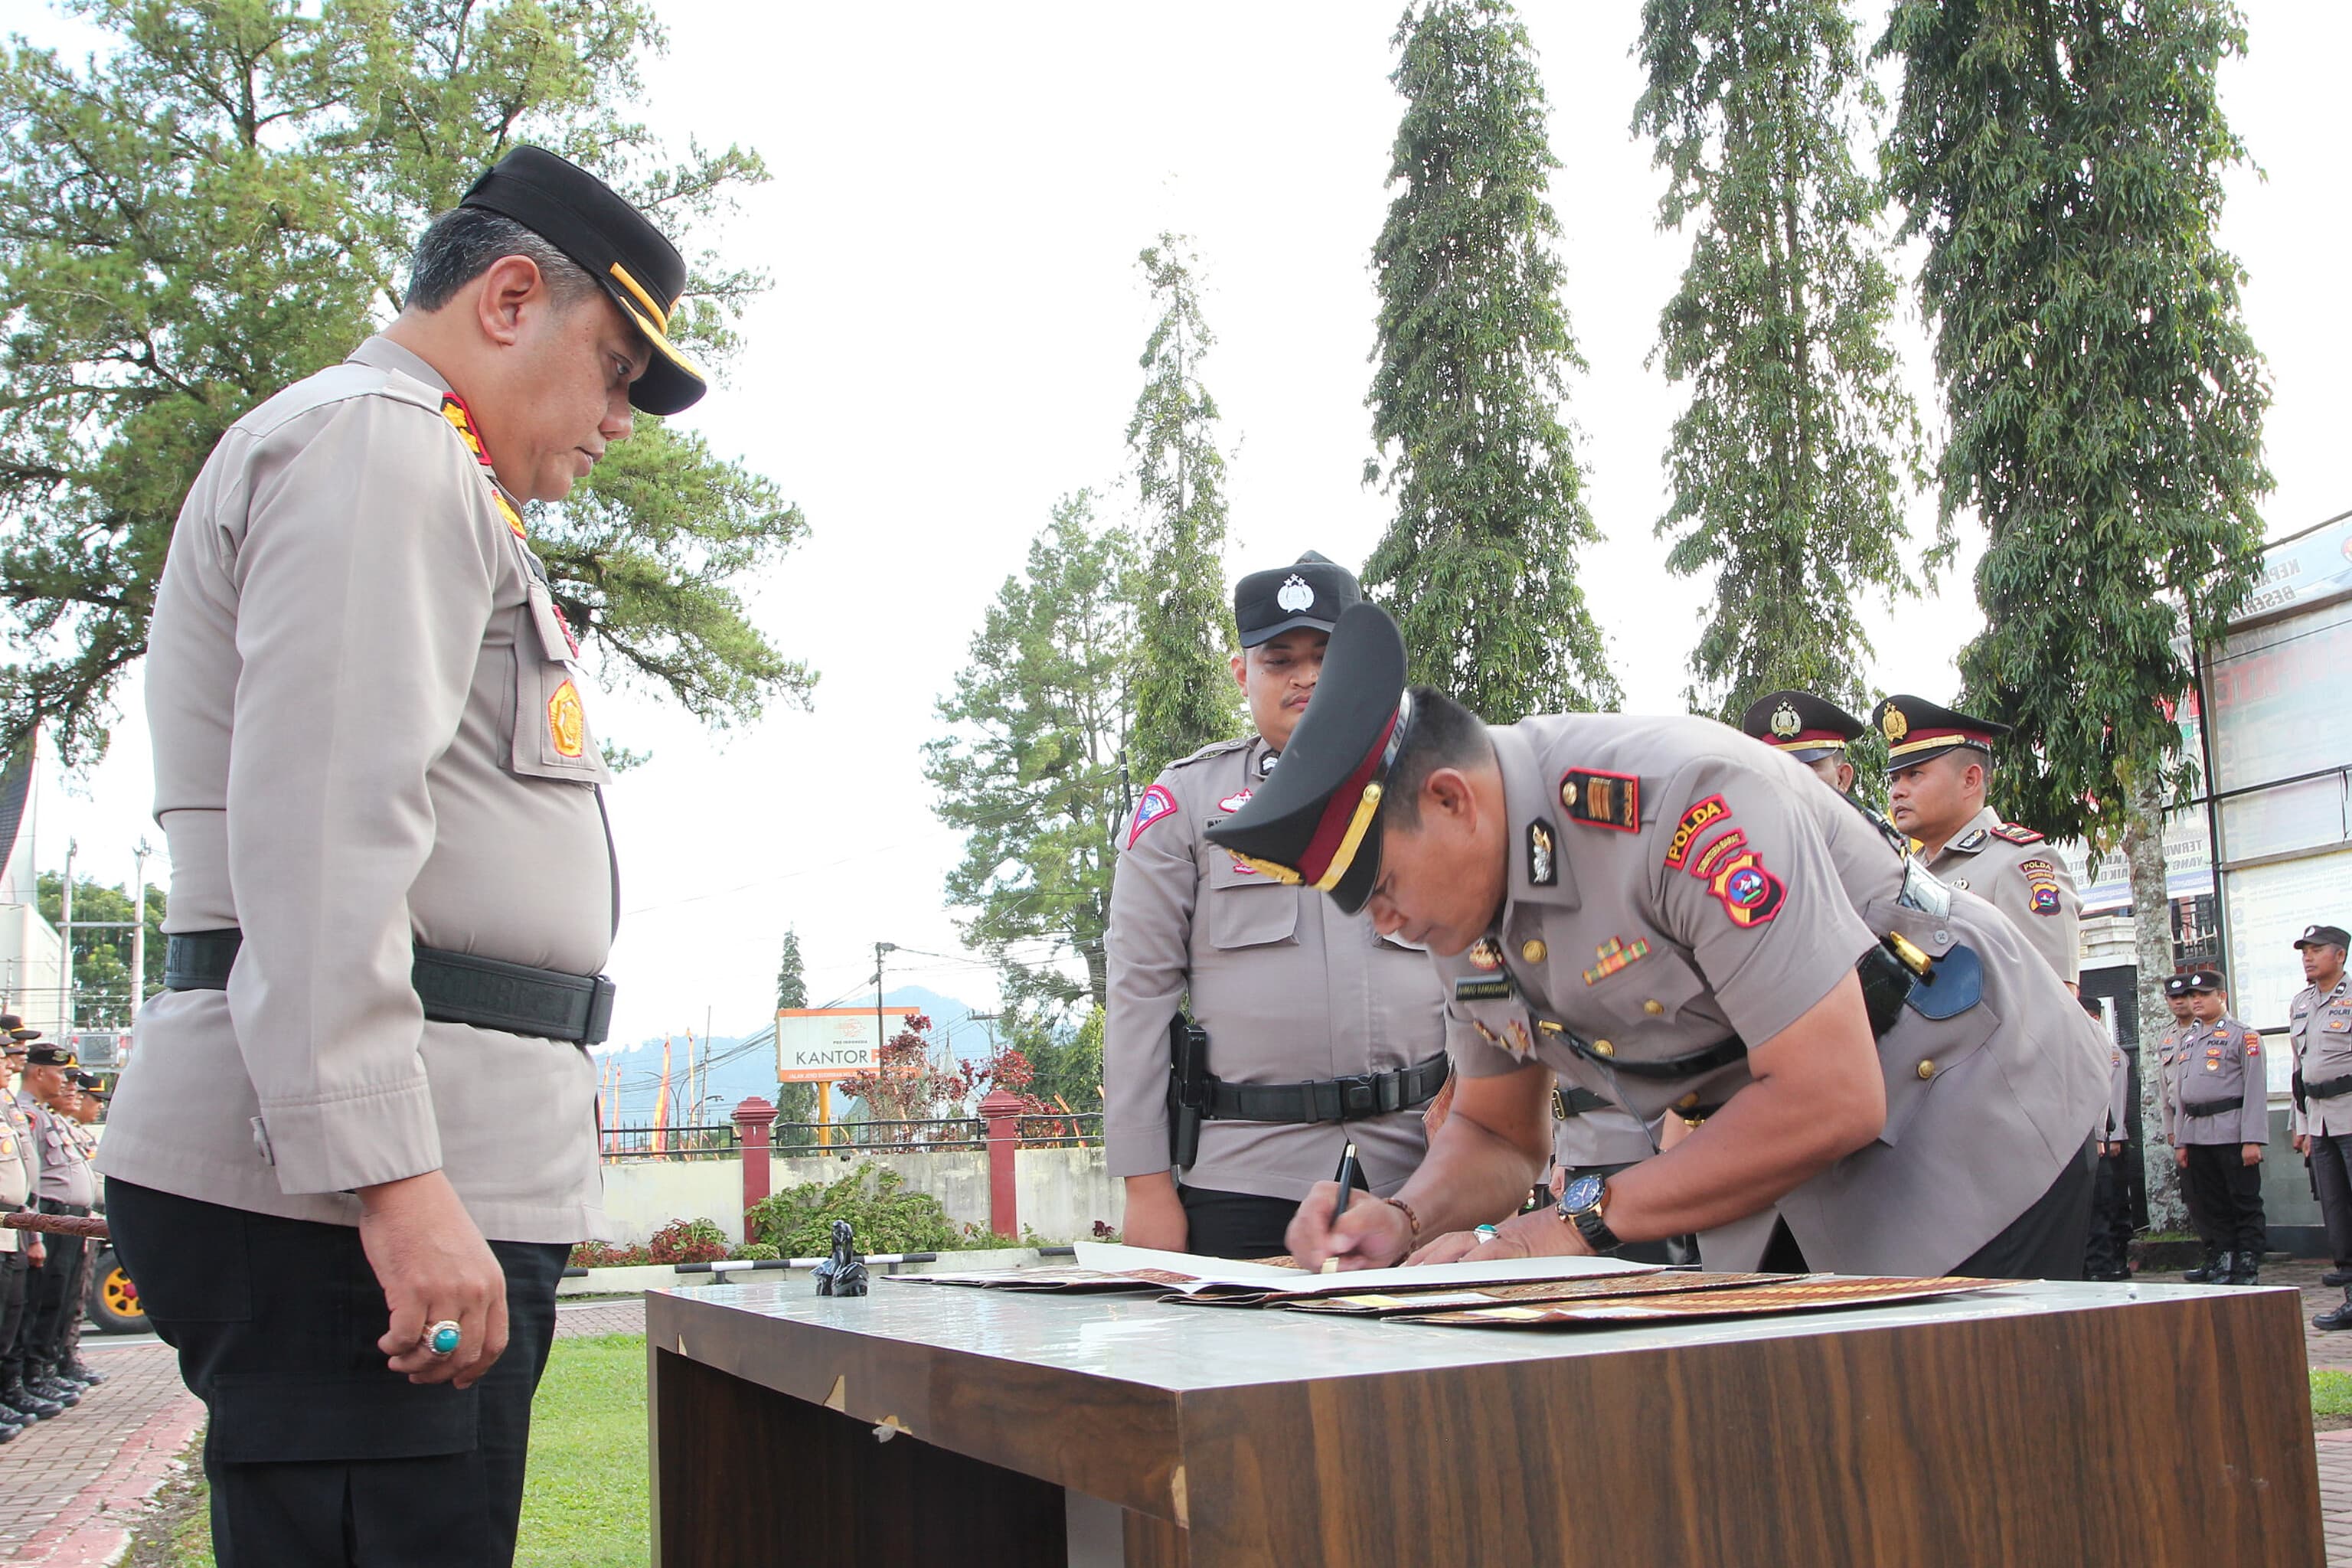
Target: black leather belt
(456,988)
(1571,1101)
(2213,1106)
(2330,1087)
(1329,1099)
(58,1205)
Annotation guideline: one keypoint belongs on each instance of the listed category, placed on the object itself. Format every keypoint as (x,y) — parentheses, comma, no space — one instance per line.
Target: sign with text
(818,1045)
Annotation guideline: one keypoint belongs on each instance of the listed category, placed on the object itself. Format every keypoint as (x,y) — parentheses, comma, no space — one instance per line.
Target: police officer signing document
(358,1137)
(1678,918)
(1308,1030)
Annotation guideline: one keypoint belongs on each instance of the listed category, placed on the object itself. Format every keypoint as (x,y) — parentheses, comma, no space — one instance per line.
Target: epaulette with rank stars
(2016,834)
(1213,749)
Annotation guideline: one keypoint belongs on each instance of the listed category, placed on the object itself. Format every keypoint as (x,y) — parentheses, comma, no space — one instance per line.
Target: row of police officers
(45,1145)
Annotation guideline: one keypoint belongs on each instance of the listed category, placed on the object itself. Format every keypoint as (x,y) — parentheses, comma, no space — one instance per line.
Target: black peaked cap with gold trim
(1917,730)
(615,244)
(1807,727)
(1316,820)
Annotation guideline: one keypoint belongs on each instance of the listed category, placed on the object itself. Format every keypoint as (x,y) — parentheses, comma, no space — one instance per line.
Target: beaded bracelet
(1411,1218)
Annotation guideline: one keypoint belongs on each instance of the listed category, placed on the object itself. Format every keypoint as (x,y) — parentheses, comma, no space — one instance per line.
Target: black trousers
(14,1271)
(317,1453)
(2331,1173)
(52,1293)
(2225,1197)
(1239,1224)
(2045,1242)
(2109,1251)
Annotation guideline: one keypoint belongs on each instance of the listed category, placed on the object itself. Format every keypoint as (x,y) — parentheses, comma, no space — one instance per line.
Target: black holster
(1189,1086)
(2295,1086)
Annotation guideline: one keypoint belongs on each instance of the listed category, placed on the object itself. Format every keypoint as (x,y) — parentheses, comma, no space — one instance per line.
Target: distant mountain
(737,1070)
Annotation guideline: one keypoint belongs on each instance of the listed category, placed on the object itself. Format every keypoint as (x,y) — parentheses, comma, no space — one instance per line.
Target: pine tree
(1472,363)
(2062,159)
(1789,463)
(1184,695)
(794,1101)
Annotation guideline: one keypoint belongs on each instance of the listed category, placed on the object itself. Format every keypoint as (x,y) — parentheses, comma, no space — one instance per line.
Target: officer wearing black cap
(2319,1032)
(67,1187)
(1938,762)
(1308,1030)
(2219,1130)
(392,890)
(1684,923)
(1811,730)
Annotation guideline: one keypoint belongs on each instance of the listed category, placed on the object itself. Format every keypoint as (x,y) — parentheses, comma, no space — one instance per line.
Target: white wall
(1062,1191)
(642,1196)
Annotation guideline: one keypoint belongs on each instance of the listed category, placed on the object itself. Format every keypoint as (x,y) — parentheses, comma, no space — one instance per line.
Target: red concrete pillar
(1002,1111)
(752,1119)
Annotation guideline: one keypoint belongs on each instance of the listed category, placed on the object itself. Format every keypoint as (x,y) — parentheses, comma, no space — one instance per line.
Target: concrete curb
(93,1530)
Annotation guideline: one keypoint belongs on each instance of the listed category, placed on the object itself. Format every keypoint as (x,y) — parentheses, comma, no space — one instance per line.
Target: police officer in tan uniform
(67,1186)
(2319,1030)
(1811,730)
(19,1171)
(392,890)
(2109,1256)
(1318,1031)
(1938,763)
(18,1402)
(2220,1126)
(1715,934)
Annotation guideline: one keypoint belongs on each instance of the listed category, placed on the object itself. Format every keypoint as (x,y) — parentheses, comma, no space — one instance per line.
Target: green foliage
(794,1101)
(1475,348)
(688,1241)
(1029,766)
(756,1252)
(101,970)
(885,1217)
(222,202)
(1789,463)
(1184,692)
(2331,1394)
(1067,1063)
(2063,160)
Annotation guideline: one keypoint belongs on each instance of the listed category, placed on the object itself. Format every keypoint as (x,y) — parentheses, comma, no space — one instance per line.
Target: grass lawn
(2331,1394)
(584,1505)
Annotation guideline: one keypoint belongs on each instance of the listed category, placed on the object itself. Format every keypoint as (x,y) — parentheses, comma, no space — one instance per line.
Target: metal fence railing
(937,1135)
(1061,1131)
(947,1134)
(710,1141)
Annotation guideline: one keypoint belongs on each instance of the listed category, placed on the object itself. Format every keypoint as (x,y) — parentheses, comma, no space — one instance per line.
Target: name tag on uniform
(1485,988)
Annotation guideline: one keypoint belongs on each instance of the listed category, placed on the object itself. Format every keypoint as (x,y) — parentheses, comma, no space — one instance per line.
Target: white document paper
(1114,1259)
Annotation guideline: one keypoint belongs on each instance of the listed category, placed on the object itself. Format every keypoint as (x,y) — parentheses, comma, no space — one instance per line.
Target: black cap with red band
(1807,727)
(1917,730)
(1316,820)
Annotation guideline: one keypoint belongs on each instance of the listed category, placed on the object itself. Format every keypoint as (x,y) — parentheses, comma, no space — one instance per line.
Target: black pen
(1347,1180)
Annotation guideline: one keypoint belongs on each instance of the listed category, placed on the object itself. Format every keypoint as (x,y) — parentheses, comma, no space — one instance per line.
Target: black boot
(22,1401)
(2210,1272)
(2341,1318)
(2245,1268)
(12,1425)
(81,1371)
(2335,1278)
(49,1385)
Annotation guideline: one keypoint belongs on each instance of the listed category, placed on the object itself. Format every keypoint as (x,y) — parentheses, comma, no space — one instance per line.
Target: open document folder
(1102,1267)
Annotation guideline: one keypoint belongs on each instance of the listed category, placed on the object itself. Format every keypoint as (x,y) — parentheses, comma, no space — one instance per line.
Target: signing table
(2039,1424)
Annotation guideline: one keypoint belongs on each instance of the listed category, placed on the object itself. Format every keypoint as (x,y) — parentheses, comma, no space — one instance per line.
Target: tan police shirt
(2020,873)
(1707,887)
(1288,989)
(2169,1055)
(2225,1090)
(65,1176)
(2319,1029)
(20,1167)
(367,735)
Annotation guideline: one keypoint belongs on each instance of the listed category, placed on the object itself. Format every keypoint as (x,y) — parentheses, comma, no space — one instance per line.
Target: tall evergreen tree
(2062,160)
(1030,767)
(791,984)
(1471,374)
(223,201)
(1789,464)
(1184,695)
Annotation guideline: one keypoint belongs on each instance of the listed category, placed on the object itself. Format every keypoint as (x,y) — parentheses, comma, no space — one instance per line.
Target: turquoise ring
(442,1337)
(1486,1233)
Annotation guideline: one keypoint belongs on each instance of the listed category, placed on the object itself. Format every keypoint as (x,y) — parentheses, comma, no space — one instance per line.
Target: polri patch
(1543,870)
(1156,803)
(1748,893)
(1693,823)
(1602,799)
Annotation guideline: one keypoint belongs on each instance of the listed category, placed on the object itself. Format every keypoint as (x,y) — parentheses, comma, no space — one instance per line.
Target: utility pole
(139,929)
(65,991)
(879,949)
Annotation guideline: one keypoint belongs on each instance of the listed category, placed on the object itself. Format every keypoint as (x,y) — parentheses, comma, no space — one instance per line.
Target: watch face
(1581,1194)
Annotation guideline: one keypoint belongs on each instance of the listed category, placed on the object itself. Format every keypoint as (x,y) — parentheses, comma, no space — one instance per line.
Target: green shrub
(605,1255)
(688,1241)
(755,1252)
(885,1217)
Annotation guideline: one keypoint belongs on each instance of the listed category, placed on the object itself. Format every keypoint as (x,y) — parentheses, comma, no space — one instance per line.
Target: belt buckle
(1359,1095)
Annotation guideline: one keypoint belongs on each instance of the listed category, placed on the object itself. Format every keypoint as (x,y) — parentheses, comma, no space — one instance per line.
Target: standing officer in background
(19,1171)
(1712,934)
(80,1114)
(1318,1031)
(2319,1031)
(1938,763)
(67,1187)
(1811,730)
(2220,1129)
(358,1140)
(18,1402)
(2109,1256)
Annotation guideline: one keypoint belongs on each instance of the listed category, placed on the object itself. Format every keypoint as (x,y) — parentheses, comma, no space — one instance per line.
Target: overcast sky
(950,344)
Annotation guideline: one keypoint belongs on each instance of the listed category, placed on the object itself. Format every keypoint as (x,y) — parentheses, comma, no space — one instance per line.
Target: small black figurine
(843,1274)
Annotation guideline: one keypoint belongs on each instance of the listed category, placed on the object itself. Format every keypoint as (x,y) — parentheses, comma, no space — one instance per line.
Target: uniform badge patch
(2045,900)
(1242,868)
(1711,859)
(1156,803)
(2043,878)
(1613,955)
(1602,799)
(1294,595)
(1485,954)
(1542,871)
(1749,894)
(2338,1027)
(1896,725)
(1695,822)
(567,726)
(1235,801)
(1785,721)
(1972,840)
(1497,988)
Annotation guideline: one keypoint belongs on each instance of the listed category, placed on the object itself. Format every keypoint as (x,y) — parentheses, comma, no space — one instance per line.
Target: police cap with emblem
(2323,936)
(1917,730)
(2208,978)
(587,220)
(1316,821)
(1807,727)
(13,1028)
(51,1056)
(1310,592)
(2176,984)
